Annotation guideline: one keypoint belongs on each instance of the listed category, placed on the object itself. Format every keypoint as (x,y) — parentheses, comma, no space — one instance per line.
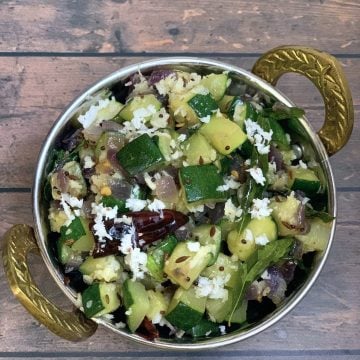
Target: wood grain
(35,92)
(178,26)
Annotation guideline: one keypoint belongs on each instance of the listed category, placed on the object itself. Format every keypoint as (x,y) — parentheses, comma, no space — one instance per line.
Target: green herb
(250,270)
(282,112)
(324,216)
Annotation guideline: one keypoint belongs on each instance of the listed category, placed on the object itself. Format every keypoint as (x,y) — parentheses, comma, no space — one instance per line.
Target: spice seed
(212,231)
(181,259)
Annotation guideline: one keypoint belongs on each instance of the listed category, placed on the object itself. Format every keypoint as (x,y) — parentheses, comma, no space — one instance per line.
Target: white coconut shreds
(258,136)
(222,329)
(260,208)
(181,138)
(193,246)
(302,165)
(212,288)
(71,206)
(248,235)
(231,212)
(205,119)
(257,174)
(261,240)
(101,212)
(160,119)
(127,243)
(156,205)
(136,261)
(124,219)
(105,109)
(229,183)
(88,162)
(135,204)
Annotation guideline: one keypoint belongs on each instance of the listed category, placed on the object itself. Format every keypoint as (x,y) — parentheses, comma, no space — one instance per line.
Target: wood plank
(331,309)
(36,91)
(176,26)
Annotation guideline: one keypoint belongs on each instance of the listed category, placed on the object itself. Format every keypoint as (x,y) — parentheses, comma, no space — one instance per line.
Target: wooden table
(51,50)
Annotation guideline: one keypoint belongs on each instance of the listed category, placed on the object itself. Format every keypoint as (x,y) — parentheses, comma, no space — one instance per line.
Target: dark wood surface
(51,50)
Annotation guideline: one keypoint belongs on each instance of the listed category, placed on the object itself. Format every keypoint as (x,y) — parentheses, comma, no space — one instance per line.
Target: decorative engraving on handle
(327,75)
(18,242)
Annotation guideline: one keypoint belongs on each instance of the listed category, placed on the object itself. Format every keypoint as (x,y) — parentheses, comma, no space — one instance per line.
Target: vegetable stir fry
(180,205)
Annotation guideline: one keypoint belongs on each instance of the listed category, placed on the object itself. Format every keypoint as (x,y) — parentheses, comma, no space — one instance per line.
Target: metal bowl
(322,69)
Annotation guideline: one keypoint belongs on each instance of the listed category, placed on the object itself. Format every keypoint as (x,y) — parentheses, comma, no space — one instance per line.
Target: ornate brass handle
(18,242)
(327,75)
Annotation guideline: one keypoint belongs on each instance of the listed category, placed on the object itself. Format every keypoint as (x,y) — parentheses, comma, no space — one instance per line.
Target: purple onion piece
(216,213)
(158,75)
(276,157)
(287,270)
(110,125)
(277,285)
(120,189)
(71,141)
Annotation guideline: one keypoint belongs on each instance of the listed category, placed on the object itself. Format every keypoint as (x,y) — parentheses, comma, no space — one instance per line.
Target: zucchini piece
(217,309)
(139,102)
(279,135)
(216,84)
(223,266)
(208,235)
(304,180)
(285,213)
(136,302)
(100,298)
(318,236)
(185,309)
(240,110)
(225,102)
(181,111)
(106,268)
(204,328)
(156,257)
(198,151)
(141,154)
(203,105)
(158,306)
(64,251)
(223,134)
(200,183)
(78,235)
(240,314)
(184,266)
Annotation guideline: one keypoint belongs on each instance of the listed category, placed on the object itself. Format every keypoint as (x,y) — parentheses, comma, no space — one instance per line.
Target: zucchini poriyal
(178,205)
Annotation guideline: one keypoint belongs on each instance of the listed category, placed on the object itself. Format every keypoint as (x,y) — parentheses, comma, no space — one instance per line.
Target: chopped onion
(166,189)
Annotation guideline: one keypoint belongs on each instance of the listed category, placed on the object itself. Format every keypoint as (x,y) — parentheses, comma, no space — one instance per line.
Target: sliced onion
(93,133)
(71,141)
(110,125)
(120,189)
(216,213)
(158,75)
(276,157)
(166,189)
(277,285)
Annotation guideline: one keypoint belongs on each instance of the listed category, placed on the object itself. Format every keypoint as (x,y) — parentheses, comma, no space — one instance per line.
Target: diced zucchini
(78,235)
(204,328)
(243,245)
(64,251)
(156,257)
(222,267)
(240,110)
(218,309)
(203,105)
(304,180)
(200,183)
(216,84)
(223,134)
(225,102)
(158,305)
(106,268)
(286,215)
(141,154)
(239,316)
(100,298)
(279,135)
(185,309)
(182,112)
(139,102)
(208,235)
(184,266)
(318,236)
(198,151)
(136,302)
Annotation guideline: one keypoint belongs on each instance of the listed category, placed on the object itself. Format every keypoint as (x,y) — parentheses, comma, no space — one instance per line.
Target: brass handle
(327,75)
(18,242)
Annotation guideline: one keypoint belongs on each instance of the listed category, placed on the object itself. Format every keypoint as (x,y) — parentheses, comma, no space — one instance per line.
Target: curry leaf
(250,270)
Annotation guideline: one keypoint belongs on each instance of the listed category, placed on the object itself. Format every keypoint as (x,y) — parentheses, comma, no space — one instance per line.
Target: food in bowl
(181,205)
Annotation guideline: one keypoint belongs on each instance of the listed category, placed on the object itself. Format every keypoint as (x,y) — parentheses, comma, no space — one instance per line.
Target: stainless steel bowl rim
(144,67)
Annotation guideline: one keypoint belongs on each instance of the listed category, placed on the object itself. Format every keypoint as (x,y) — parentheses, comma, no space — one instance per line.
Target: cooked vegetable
(177,208)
